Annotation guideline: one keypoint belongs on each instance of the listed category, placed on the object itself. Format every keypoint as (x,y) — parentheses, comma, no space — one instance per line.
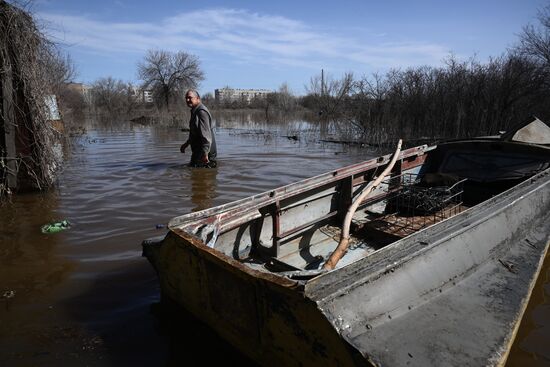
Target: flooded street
(86,297)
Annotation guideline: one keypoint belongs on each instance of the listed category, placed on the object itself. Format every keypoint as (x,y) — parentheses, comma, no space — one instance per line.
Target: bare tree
(329,93)
(59,72)
(60,68)
(72,104)
(208,99)
(111,96)
(285,99)
(169,74)
(28,158)
(535,40)
(464,98)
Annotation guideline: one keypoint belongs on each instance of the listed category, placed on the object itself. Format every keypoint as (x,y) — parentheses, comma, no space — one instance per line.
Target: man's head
(192,98)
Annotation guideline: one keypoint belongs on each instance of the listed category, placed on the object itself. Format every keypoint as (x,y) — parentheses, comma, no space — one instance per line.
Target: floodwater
(86,297)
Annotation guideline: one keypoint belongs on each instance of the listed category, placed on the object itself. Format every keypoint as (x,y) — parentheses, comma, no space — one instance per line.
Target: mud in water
(86,297)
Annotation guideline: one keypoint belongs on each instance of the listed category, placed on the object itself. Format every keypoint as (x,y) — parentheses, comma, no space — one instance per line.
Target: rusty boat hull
(428,280)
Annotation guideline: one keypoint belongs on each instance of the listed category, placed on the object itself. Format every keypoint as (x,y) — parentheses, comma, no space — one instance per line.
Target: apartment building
(142,95)
(239,95)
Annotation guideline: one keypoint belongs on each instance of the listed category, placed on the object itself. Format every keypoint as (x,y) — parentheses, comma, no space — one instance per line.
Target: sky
(263,44)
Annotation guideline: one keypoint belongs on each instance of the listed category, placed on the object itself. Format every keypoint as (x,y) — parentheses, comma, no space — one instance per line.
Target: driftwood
(342,247)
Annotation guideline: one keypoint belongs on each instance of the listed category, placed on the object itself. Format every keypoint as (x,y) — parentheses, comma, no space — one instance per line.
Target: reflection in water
(31,271)
(29,264)
(203,187)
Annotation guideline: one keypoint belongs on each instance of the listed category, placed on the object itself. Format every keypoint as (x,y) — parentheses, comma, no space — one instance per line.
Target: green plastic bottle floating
(55,226)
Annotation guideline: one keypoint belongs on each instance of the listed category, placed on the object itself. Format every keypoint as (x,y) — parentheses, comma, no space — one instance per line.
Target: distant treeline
(457,99)
(460,99)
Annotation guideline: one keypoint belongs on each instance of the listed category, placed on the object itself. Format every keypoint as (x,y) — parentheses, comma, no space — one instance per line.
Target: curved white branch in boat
(342,247)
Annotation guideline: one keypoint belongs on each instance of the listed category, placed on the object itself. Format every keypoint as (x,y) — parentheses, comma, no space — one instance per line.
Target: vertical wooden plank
(276,212)
(9,124)
(346,194)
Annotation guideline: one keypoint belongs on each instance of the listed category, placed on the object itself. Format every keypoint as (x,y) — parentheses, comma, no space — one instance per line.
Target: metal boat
(441,259)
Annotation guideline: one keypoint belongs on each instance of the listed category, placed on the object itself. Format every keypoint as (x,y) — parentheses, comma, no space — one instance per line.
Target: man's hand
(183,147)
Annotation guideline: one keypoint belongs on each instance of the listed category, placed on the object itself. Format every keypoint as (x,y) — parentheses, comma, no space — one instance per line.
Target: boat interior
(295,229)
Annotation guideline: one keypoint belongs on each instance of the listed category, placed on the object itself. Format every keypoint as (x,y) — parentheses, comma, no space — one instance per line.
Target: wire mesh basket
(417,203)
(415,198)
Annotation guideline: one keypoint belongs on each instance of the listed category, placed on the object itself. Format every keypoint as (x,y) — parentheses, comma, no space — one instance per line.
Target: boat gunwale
(392,256)
(525,190)
(227,261)
(235,209)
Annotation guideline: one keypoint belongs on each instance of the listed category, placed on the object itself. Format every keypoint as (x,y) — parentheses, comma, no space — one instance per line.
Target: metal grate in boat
(417,202)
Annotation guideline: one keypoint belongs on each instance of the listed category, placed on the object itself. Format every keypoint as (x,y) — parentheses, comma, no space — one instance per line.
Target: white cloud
(241,36)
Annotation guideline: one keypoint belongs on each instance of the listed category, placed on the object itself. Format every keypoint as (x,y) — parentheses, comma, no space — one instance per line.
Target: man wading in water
(201,133)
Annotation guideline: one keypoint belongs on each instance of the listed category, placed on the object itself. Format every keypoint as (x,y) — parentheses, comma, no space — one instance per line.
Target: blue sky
(261,44)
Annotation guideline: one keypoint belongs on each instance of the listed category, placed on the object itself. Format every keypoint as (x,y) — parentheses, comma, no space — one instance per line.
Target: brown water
(85,296)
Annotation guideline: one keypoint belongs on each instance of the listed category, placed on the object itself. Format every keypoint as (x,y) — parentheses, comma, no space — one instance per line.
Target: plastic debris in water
(55,226)
(8,294)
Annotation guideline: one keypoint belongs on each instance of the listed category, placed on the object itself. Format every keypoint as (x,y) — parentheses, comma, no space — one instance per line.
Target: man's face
(191,100)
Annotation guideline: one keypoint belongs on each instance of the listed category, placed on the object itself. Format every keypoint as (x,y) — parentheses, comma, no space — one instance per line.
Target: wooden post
(8,119)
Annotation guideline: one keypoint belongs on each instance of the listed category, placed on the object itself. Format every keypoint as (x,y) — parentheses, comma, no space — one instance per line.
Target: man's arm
(184,146)
(206,133)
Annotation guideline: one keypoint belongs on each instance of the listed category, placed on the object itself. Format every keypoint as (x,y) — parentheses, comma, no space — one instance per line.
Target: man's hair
(194,92)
